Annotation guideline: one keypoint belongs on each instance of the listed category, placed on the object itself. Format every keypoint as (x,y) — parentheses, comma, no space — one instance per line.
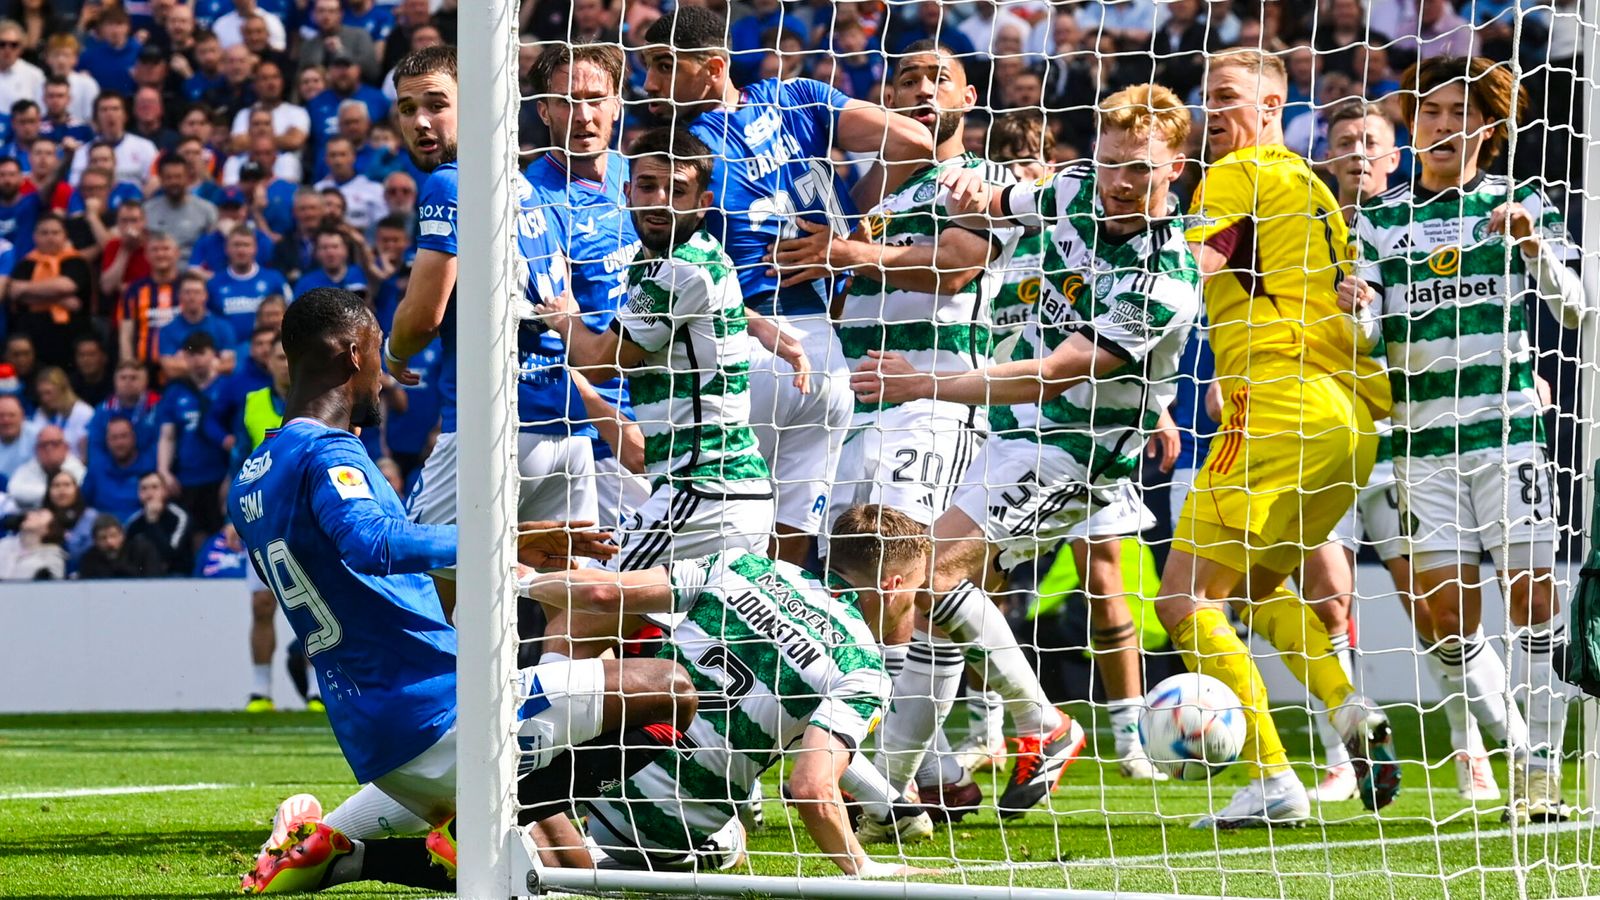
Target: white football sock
(863,781)
(1472,667)
(1456,711)
(261,680)
(894,658)
(939,766)
(967,616)
(921,699)
(986,713)
(1536,647)
(1124,715)
(370,813)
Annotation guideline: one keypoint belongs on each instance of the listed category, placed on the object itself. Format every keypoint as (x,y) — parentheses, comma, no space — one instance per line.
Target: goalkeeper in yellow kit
(1296,439)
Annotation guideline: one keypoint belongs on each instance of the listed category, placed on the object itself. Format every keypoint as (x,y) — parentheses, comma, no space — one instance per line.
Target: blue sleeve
(8,260)
(370,539)
(220,419)
(224,334)
(436,212)
(812,96)
(167,410)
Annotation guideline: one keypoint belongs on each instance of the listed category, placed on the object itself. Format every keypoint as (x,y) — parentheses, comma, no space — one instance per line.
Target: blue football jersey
(546,399)
(236,297)
(590,223)
(436,230)
(326,532)
(774,146)
(407,432)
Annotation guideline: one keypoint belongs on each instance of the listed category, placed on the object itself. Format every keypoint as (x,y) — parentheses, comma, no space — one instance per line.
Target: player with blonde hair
(1068,414)
(1297,436)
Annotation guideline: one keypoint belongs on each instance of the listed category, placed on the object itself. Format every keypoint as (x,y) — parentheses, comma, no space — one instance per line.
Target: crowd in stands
(172,174)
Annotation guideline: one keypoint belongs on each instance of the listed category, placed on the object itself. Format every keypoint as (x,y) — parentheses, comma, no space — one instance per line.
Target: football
(1192,726)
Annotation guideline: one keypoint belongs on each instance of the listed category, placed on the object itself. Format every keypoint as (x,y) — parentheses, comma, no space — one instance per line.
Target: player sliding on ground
(328,534)
(788,669)
(1446,266)
(1297,437)
(1068,413)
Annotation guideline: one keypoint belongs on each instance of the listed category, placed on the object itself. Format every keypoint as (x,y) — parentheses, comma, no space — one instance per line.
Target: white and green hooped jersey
(1136,296)
(773,652)
(1018,293)
(1453,315)
(691,394)
(934,332)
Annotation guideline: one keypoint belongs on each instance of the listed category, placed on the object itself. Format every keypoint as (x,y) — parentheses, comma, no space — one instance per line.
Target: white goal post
(496,860)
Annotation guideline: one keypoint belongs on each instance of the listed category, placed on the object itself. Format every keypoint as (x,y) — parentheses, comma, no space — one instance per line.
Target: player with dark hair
(325,530)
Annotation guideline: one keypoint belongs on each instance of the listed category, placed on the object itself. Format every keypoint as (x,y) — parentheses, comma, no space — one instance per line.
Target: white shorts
(560,706)
(253,582)
(1029,497)
(1501,500)
(799,436)
(1375,517)
(1178,492)
(618,492)
(675,525)
(610,850)
(556,475)
(911,458)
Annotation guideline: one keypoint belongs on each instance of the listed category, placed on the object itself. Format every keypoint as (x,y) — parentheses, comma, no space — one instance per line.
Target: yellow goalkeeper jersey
(1273,309)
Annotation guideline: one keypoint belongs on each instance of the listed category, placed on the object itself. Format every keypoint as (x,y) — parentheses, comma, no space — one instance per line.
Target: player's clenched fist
(889,378)
(1355,295)
(1514,220)
(969,193)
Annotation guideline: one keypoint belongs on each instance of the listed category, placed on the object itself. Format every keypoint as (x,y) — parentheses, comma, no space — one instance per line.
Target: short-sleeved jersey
(772,652)
(1136,296)
(198,459)
(407,432)
(546,399)
(1273,310)
(934,332)
(237,297)
(1018,292)
(772,153)
(149,305)
(436,230)
(591,227)
(1453,312)
(691,394)
(328,535)
(351,279)
(170,339)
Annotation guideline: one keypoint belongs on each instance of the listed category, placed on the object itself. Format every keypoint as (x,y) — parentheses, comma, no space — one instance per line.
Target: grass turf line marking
(1277,849)
(114,791)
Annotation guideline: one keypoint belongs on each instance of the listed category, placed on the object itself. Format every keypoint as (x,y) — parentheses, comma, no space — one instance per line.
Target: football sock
(1472,668)
(939,767)
(1290,625)
(402,861)
(967,616)
(922,697)
(261,680)
(863,781)
(894,658)
(1334,753)
(1538,645)
(1125,725)
(370,813)
(1456,711)
(1210,646)
(986,712)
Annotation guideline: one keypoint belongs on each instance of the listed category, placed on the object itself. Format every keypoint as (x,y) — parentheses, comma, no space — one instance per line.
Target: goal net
(949,376)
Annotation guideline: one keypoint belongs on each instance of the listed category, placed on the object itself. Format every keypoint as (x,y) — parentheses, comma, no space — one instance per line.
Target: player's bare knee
(263,606)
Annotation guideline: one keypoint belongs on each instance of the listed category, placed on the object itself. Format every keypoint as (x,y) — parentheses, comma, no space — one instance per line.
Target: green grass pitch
(86,815)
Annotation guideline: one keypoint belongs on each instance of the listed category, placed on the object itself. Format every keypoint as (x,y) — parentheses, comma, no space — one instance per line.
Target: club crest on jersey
(1480,231)
(924,192)
(1445,261)
(349,483)
(1102,285)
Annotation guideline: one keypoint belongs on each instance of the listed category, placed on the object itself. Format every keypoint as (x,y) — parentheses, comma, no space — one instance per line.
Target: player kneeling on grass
(788,668)
(330,537)
(1446,267)
(1068,414)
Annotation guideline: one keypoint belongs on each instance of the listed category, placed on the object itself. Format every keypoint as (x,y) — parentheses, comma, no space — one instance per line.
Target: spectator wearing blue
(406,431)
(222,557)
(400,196)
(18,436)
(110,51)
(133,155)
(194,318)
(207,78)
(57,122)
(355,126)
(377,21)
(133,402)
(228,411)
(344,83)
(210,252)
(747,37)
(239,288)
(271,201)
(112,485)
(26,121)
(99,179)
(391,266)
(237,88)
(191,465)
(333,266)
(929,24)
(296,252)
(19,212)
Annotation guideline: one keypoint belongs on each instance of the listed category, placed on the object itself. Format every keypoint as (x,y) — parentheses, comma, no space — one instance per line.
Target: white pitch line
(114,791)
(1279,849)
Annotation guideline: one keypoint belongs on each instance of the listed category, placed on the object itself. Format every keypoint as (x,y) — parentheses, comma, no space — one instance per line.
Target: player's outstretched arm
(604,592)
(420,313)
(601,355)
(889,378)
(814,788)
(371,540)
(943,267)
